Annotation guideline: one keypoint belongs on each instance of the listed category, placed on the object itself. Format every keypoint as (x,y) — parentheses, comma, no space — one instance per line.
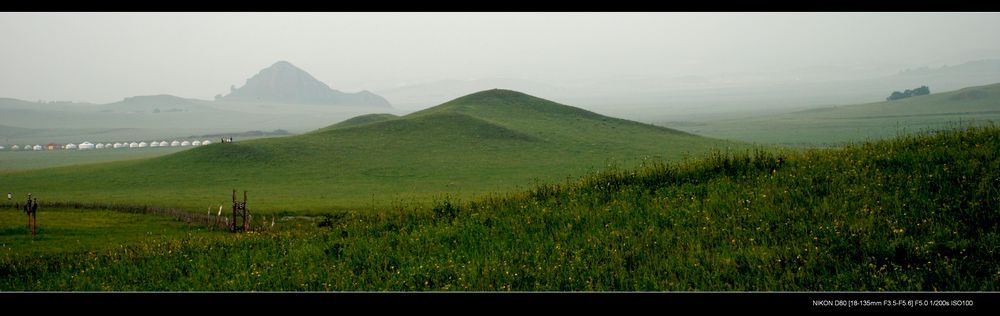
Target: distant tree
(156,110)
(896,95)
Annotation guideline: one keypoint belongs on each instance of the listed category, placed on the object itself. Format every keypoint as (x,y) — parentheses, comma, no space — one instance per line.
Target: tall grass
(915,213)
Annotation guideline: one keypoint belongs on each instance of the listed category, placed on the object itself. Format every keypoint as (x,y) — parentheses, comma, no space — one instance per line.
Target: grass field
(495,140)
(919,213)
(832,126)
(62,231)
(28,160)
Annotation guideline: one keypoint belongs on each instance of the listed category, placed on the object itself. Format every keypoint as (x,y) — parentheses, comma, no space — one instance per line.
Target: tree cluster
(896,95)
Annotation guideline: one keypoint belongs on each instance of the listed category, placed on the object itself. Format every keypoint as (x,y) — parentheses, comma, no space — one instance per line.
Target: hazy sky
(104,57)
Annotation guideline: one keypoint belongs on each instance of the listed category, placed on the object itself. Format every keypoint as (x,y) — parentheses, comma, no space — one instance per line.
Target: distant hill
(6,132)
(971,100)
(422,95)
(155,104)
(859,122)
(978,67)
(285,83)
(483,142)
(244,135)
(11,103)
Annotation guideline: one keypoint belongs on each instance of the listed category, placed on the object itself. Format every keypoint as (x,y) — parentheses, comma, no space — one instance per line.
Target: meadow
(496,140)
(29,160)
(919,212)
(66,230)
(838,125)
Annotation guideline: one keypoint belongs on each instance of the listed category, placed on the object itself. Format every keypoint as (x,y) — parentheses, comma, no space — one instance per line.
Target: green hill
(860,122)
(362,120)
(484,142)
(918,213)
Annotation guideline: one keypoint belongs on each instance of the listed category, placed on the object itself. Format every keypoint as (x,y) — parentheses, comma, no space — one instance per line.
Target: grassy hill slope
(362,120)
(860,122)
(485,142)
(913,214)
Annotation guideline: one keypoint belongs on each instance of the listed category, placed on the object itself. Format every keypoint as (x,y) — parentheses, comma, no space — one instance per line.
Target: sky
(105,57)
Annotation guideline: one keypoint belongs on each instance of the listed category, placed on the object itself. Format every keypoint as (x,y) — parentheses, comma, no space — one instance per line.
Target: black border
(462,302)
(445,302)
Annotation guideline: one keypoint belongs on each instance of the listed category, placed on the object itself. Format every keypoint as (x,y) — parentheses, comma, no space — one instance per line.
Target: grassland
(495,140)
(29,160)
(832,126)
(62,231)
(914,213)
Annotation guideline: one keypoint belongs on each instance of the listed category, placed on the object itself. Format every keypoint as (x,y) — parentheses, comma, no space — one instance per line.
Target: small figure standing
(31,208)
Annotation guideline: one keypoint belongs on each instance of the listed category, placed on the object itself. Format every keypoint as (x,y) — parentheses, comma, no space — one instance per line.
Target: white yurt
(26,147)
(70,146)
(133,145)
(164,144)
(143,145)
(206,142)
(154,144)
(86,145)
(107,146)
(38,147)
(99,146)
(185,143)
(2,147)
(175,143)
(118,145)
(196,143)
(15,147)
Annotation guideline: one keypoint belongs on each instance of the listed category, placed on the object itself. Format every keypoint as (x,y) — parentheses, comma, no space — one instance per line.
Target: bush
(896,95)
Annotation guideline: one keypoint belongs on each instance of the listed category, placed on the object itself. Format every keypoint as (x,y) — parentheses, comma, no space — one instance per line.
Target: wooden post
(27,210)
(239,209)
(30,209)
(232,227)
(34,218)
(246,213)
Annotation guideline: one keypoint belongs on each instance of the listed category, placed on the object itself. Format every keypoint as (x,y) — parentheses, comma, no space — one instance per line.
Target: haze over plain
(656,66)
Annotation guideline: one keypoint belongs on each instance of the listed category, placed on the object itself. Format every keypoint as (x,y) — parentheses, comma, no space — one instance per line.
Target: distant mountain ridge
(282,82)
(155,104)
